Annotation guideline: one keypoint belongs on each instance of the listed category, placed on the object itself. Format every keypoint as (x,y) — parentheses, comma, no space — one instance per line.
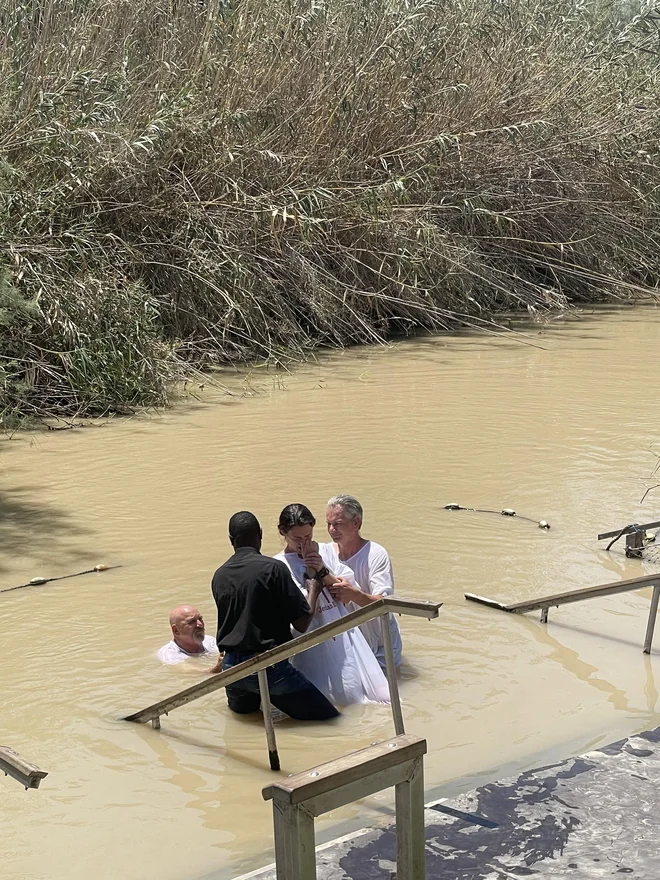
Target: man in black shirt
(257,602)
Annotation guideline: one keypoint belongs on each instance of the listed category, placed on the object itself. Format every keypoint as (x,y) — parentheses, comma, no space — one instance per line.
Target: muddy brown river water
(560,424)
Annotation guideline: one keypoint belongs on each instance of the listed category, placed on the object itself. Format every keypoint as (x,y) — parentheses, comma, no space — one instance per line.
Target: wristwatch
(320,574)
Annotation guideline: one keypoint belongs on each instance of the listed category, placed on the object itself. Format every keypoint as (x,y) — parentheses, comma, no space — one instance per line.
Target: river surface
(559,423)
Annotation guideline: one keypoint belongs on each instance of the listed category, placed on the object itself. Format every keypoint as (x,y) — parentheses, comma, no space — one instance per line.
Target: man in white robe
(371,567)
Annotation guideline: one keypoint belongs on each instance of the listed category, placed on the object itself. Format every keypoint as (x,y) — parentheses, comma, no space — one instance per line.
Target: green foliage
(15,311)
(183,183)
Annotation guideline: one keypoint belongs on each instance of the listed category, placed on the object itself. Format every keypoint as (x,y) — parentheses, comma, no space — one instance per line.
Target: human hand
(311,556)
(343,591)
(218,665)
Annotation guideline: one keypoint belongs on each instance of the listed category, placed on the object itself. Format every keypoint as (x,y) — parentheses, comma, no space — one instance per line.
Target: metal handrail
(544,603)
(261,662)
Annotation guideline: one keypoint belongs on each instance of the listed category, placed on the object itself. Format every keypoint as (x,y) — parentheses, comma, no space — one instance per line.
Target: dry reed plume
(200,181)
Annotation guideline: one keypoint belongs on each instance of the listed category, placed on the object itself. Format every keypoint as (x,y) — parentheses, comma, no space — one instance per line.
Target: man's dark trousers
(289,691)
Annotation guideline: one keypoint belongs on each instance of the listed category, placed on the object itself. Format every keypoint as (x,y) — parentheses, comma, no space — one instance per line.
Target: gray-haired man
(371,567)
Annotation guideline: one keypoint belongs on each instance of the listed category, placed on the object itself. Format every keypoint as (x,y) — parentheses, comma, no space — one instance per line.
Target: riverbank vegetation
(192,182)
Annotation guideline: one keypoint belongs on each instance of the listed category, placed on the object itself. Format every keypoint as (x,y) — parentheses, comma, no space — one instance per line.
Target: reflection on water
(551,425)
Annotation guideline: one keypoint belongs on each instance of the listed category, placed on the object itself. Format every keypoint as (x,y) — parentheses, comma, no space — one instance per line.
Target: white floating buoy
(38,580)
(101,567)
(544,525)
(508,512)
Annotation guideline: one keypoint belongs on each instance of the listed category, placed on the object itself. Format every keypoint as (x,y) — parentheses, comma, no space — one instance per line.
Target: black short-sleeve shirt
(257,601)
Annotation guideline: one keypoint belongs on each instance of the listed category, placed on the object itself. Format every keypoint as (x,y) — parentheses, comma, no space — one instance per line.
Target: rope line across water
(40,581)
(507,511)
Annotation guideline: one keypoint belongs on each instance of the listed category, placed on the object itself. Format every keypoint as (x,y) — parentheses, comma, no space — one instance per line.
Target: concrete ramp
(594,816)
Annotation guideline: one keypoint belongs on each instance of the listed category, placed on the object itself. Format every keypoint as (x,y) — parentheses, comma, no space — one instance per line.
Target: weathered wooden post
(636,539)
(298,799)
(410,839)
(635,543)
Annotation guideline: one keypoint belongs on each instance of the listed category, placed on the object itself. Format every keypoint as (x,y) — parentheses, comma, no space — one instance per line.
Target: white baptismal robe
(344,667)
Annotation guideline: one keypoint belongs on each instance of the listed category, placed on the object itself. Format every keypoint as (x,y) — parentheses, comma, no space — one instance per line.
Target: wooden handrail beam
(354,767)
(375,609)
(628,530)
(557,599)
(13,765)
(545,602)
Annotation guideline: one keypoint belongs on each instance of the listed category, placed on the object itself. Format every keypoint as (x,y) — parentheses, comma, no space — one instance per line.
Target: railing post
(650,626)
(410,836)
(273,756)
(635,544)
(295,855)
(390,670)
(544,615)
(299,798)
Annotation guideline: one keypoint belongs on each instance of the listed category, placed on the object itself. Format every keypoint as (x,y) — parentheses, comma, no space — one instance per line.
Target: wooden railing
(636,538)
(298,800)
(27,774)
(546,602)
(260,663)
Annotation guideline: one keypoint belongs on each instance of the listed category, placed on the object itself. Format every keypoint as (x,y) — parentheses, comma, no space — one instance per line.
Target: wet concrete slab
(594,816)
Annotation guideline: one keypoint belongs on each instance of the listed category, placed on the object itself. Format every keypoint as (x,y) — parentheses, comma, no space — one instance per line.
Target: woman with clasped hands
(342,667)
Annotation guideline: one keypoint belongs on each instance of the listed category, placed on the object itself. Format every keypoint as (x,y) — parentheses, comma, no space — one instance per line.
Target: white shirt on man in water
(372,572)
(173,653)
(189,636)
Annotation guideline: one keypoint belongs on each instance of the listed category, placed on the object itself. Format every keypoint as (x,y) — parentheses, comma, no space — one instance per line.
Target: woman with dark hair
(343,668)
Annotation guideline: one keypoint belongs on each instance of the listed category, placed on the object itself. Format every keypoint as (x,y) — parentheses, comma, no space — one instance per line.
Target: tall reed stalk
(188,182)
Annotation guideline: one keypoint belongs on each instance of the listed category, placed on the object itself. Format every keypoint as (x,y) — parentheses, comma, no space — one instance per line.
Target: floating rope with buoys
(508,511)
(40,581)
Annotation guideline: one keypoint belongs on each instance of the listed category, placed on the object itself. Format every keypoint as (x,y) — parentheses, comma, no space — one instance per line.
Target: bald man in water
(189,637)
